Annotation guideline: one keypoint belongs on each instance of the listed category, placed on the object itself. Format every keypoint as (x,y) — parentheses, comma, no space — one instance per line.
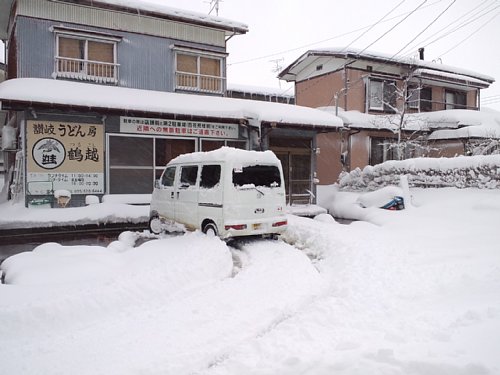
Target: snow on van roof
(91,96)
(234,155)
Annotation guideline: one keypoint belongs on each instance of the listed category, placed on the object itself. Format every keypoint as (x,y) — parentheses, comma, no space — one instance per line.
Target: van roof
(227,154)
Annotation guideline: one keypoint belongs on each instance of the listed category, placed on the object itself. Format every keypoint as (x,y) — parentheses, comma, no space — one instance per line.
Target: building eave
(290,72)
(230,27)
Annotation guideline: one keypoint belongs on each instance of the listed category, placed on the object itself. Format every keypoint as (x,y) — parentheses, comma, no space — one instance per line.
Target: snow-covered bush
(462,172)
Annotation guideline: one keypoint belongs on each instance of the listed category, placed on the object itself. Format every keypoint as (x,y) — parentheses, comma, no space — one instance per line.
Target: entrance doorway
(297,168)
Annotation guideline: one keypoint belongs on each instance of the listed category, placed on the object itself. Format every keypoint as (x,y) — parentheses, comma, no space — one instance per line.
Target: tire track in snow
(189,330)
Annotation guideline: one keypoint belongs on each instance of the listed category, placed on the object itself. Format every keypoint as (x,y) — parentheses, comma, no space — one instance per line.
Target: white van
(227,192)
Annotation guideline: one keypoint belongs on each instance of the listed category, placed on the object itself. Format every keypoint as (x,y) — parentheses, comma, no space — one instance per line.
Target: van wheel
(210,229)
(155,225)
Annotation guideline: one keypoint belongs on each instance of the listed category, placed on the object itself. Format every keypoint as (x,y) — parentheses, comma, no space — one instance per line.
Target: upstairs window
(381,95)
(420,98)
(201,73)
(455,100)
(85,58)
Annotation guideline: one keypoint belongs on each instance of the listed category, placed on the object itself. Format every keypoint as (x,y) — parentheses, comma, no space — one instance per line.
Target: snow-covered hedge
(460,172)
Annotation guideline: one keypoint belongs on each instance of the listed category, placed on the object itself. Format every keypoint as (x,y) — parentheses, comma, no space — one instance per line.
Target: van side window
(168,177)
(188,175)
(258,175)
(210,176)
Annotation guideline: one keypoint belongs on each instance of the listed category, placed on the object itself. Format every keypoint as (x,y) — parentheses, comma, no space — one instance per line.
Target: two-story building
(103,93)
(376,95)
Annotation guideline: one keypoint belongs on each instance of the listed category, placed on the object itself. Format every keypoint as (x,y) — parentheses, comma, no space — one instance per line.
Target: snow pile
(460,172)
(17,216)
(172,306)
(416,294)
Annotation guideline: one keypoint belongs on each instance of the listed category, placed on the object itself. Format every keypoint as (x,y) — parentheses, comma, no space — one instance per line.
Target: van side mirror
(157,184)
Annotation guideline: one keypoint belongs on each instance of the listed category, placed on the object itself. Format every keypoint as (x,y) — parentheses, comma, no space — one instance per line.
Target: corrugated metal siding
(114,20)
(35,49)
(145,61)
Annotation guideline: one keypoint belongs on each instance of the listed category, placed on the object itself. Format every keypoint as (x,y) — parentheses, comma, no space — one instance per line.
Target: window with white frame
(195,72)
(85,57)
(381,95)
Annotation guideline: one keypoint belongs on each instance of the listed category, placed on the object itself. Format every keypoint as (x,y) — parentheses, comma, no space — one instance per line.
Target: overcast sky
(460,33)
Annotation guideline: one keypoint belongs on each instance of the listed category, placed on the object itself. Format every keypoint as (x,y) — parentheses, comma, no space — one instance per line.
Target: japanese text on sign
(70,155)
(178,128)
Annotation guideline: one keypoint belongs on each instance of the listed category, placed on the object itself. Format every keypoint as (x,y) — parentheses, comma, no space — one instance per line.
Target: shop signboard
(152,126)
(64,155)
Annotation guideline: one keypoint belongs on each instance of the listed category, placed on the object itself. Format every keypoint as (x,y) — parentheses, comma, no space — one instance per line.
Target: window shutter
(210,67)
(102,52)
(72,48)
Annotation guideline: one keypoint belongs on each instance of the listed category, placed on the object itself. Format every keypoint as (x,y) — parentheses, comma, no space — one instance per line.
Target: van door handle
(172,195)
(178,195)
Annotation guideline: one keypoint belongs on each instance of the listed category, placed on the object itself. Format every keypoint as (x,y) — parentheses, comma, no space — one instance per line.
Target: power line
(451,23)
(491,97)
(325,40)
(373,25)
(429,25)
(470,35)
(393,27)
(465,23)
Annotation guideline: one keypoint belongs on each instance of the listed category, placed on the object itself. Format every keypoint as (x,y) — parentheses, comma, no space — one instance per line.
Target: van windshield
(257,175)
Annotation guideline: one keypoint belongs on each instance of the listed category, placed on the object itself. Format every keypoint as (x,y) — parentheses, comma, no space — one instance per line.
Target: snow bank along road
(416,294)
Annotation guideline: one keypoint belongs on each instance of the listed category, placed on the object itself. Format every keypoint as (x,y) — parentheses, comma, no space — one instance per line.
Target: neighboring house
(96,90)
(375,84)
(266,94)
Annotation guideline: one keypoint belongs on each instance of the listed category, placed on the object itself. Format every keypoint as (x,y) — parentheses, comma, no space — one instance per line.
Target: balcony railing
(425,105)
(86,70)
(199,83)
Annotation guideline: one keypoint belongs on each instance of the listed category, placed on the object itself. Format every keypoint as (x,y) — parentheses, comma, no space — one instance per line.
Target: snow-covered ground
(413,292)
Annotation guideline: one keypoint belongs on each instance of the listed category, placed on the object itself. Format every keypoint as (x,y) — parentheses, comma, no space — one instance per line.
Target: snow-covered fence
(461,172)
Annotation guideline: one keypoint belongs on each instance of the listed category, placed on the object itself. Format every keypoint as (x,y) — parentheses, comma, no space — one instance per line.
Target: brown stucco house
(382,98)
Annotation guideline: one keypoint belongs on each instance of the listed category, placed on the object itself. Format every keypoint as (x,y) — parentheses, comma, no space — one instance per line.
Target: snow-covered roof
(352,53)
(145,6)
(100,97)
(452,123)
(157,8)
(288,92)
(483,124)
(423,73)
